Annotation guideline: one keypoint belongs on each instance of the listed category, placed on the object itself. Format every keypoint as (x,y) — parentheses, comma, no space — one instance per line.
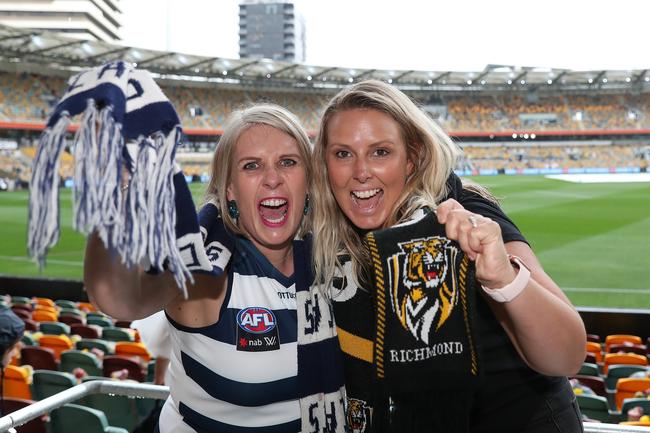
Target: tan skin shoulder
(203,304)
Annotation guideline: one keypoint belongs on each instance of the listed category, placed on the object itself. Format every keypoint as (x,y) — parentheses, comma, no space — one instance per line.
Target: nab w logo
(257,320)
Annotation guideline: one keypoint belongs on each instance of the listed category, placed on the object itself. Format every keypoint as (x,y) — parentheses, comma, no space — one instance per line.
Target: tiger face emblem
(421,296)
(358,415)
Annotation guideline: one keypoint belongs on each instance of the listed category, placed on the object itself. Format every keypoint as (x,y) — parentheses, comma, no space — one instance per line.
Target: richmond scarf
(136,216)
(425,351)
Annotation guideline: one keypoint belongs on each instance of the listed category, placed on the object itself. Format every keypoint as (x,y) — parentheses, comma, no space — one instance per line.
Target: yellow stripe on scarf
(355,346)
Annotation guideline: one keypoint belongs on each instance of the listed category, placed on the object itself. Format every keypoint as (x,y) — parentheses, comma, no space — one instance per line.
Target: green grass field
(593,239)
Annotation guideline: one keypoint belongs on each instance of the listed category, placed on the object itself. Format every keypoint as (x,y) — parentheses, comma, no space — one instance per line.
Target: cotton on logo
(257,320)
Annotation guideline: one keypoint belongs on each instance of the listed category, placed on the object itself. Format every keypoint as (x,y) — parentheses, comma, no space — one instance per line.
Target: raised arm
(542,324)
(121,292)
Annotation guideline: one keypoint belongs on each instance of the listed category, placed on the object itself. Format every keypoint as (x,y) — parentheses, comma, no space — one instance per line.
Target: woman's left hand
(480,238)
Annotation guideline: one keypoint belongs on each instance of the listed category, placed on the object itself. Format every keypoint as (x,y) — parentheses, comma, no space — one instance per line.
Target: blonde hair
(239,122)
(429,148)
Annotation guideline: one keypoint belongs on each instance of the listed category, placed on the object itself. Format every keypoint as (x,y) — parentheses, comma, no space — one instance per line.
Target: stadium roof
(54,51)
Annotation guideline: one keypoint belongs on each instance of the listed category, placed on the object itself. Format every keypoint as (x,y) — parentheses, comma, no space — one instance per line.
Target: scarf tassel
(43,230)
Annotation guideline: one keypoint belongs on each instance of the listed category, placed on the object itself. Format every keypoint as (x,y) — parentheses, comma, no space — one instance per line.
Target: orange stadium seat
(44,301)
(596,350)
(620,339)
(130,348)
(39,307)
(86,306)
(623,359)
(627,387)
(58,343)
(44,316)
(16,382)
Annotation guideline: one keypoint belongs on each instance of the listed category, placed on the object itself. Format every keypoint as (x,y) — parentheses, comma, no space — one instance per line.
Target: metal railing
(130,389)
(594,427)
(110,387)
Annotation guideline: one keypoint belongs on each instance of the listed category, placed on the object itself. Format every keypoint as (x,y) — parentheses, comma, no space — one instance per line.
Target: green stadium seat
(47,383)
(71,417)
(121,411)
(97,320)
(54,328)
(594,406)
(588,369)
(629,403)
(111,333)
(617,372)
(27,340)
(72,359)
(21,300)
(64,303)
(89,343)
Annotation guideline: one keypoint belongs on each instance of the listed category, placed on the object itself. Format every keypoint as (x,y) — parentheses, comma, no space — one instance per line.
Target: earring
(232,209)
(306,209)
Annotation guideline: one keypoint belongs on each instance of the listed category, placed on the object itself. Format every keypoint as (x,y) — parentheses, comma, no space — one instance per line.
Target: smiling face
(367,164)
(269,183)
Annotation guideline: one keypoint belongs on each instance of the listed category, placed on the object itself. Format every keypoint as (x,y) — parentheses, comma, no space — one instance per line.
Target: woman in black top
(379,161)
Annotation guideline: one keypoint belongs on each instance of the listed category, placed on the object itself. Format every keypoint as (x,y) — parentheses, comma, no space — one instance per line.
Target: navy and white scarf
(118,105)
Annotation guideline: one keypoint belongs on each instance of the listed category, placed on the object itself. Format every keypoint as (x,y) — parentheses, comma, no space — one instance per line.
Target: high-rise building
(271,29)
(87,19)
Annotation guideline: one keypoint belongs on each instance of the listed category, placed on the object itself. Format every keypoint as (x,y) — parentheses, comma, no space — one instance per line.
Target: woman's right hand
(480,238)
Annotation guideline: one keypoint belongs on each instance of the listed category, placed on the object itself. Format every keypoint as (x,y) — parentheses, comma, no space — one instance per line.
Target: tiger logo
(358,415)
(421,296)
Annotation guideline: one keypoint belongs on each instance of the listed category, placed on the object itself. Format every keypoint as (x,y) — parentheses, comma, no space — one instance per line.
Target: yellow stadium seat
(58,343)
(130,348)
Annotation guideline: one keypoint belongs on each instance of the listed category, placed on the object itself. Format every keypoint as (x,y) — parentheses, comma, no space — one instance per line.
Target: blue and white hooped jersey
(239,375)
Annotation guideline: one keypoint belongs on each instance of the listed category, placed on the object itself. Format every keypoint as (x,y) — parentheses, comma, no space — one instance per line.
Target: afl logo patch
(257,320)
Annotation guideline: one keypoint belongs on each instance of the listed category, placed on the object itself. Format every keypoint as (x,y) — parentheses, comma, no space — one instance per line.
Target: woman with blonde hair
(427,346)
(244,354)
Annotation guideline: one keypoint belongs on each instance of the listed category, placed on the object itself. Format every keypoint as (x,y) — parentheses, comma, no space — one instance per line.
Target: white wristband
(510,291)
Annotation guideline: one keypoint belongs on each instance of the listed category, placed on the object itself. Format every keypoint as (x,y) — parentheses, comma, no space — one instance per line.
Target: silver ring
(472,221)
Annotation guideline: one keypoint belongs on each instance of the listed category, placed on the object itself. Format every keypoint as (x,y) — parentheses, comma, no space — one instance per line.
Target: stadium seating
(111,333)
(71,359)
(47,383)
(54,328)
(69,417)
(58,343)
(120,411)
(89,343)
(616,372)
(623,358)
(37,425)
(16,382)
(628,387)
(629,403)
(114,363)
(84,331)
(131,348)
(588,369)
(40,358)
(621,339)
(594,406)
(596,350)
(595,383)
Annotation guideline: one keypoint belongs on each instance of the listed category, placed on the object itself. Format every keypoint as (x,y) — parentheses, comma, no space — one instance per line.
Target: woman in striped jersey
(253,350)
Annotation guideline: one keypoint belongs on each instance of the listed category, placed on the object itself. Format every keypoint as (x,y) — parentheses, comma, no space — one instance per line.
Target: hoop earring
(307,207)
(232,209)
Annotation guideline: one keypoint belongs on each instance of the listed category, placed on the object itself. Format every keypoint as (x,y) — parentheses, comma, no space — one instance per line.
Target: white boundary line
(606,290)
(52,261)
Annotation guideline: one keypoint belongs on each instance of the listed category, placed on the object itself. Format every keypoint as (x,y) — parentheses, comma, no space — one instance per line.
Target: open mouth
(368,199)
(273,211)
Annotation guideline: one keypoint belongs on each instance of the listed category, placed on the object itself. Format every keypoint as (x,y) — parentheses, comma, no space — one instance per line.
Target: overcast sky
(417,34)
